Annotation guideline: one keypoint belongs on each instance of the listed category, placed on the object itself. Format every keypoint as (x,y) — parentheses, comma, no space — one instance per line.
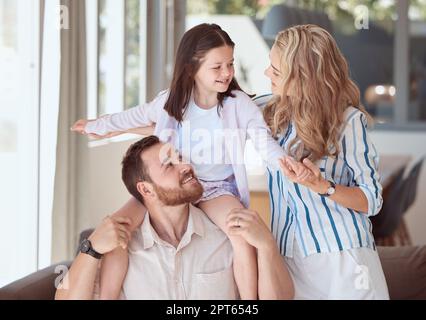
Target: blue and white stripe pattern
(317,223)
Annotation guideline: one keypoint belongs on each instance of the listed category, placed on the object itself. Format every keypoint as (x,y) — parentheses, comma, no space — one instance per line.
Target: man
(177,252)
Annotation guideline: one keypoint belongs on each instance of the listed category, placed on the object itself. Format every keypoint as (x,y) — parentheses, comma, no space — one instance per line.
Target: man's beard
(181,195)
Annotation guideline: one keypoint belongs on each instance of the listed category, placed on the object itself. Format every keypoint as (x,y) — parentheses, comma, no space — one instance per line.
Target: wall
(106,191)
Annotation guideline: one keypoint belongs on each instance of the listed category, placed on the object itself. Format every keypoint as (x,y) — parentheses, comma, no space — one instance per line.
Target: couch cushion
(39,285)
(405,271)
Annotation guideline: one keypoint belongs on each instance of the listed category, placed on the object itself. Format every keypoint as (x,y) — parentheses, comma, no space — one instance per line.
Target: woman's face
(273,72)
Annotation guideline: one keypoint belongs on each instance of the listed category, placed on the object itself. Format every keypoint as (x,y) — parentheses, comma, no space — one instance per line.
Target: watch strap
(327,194)
(89,249)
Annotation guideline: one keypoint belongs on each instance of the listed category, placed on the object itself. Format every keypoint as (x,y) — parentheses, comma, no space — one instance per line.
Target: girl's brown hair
(193,47)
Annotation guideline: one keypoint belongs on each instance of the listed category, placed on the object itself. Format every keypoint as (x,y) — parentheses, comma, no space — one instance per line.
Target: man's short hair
(133,169)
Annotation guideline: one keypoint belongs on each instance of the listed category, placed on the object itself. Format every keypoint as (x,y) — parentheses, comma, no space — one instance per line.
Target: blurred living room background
(61,60)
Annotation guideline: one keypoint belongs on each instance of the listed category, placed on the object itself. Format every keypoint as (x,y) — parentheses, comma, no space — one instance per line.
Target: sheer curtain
(50,61)
(71,150)
(41,93)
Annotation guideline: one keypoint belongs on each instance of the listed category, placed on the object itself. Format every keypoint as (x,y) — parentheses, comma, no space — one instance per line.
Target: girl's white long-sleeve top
(241,119)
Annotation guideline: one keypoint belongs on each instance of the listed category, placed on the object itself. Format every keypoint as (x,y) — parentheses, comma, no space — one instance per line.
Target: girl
(329,186)
(204,101)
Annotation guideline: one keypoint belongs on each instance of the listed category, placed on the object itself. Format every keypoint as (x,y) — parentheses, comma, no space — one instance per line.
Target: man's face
(173,182)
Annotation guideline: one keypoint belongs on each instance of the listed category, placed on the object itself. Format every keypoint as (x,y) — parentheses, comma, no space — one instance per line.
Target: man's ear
(145,189)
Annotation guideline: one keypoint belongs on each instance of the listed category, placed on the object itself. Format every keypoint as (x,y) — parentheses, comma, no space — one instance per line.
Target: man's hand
(112,233)
(249,225)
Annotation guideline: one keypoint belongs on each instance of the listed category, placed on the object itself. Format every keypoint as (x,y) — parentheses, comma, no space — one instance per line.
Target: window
(417,66)
(115,55)
(19,138)
(242,21)
(383,42)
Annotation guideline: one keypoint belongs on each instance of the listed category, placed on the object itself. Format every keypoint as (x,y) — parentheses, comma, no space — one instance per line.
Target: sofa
(404,268)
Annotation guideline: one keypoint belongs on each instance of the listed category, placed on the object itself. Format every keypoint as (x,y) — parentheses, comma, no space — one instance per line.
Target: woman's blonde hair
(315,91)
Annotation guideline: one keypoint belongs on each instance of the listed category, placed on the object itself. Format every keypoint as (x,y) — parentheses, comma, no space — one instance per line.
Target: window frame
(401,74)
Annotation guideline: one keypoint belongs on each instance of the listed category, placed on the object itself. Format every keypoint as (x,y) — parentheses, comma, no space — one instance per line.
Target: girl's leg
(115,263)
(245,263)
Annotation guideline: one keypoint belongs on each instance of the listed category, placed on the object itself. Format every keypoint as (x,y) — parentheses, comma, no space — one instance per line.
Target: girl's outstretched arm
(115,263)
(80,125)
(260,134)
(145,115)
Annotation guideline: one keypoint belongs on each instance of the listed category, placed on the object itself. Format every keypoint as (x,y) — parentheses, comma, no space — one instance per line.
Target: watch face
(85,246)
(331,190)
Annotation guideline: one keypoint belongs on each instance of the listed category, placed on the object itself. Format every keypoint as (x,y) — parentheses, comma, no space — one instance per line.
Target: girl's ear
(145,189)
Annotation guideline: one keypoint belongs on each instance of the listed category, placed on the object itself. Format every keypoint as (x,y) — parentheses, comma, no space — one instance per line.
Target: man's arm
(275,282)
(79,283)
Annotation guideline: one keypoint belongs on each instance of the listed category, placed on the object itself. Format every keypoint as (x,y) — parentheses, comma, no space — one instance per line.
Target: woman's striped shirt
(316,222)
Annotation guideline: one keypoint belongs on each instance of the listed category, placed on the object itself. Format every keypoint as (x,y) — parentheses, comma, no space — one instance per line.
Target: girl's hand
(248,224)
(305,173)
(80,125)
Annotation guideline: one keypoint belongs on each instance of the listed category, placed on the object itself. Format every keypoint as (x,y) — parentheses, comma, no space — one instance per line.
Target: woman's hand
(248,224)
(305,173)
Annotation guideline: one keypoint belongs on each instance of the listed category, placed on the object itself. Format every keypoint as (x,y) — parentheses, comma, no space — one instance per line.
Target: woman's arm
(274,279)
(361,159)
(365,193)
(308,174)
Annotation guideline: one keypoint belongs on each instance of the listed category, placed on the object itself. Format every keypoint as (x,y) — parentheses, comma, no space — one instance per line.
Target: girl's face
(273,72)
(216,71)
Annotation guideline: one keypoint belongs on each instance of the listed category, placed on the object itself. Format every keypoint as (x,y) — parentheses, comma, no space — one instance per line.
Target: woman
(327,189)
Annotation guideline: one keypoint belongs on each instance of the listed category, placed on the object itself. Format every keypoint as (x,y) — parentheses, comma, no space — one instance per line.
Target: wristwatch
(86,247)
(330,190)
